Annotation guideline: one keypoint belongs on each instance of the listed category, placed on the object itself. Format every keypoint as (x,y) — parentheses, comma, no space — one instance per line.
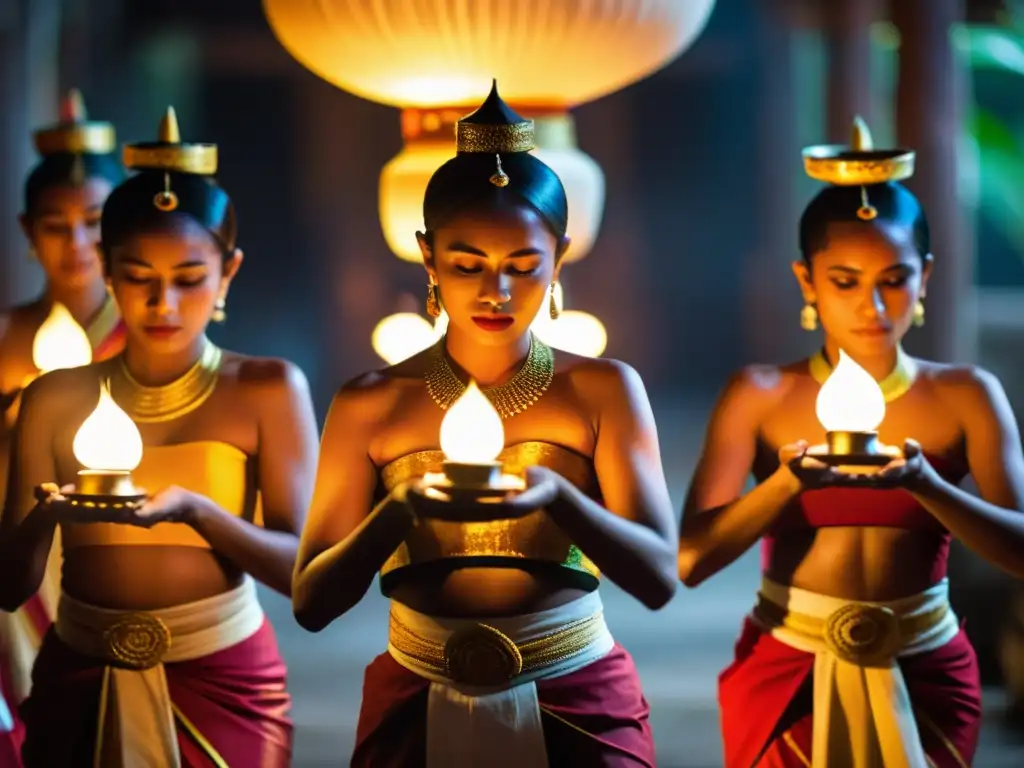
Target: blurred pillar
(929,119)
(846,25)
(29,39)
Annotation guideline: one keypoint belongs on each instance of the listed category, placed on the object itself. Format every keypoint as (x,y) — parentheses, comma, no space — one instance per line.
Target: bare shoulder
(370,398)
(761,386)
(964,386)
(600,377)
(65,390)
(264,374)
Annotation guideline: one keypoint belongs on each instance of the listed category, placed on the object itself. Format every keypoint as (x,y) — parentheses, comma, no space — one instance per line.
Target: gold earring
(433,300)
(918,317)
(219,315)
(553,309)
(809,318)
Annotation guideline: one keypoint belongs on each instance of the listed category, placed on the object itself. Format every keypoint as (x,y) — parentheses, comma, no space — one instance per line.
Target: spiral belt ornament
(138,640)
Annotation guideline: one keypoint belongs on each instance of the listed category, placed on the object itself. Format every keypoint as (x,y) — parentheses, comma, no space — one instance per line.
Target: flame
(471,432)
(850,400)
(108,439)
(60,342)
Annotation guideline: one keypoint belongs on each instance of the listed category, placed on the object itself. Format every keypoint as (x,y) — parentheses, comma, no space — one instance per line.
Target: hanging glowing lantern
(436,62)
(60,342)
(400,336)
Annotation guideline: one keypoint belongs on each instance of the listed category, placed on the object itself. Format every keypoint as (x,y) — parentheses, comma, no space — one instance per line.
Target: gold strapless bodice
(515,543)
(216,470)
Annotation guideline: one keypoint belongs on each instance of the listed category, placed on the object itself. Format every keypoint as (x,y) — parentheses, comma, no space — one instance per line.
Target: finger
(894,467)
(812,464)
(911,448)
(792,451)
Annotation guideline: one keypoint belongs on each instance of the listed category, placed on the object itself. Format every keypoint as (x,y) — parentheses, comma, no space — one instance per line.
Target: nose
(494,289)
(163,299)
(874,304)
(80,238)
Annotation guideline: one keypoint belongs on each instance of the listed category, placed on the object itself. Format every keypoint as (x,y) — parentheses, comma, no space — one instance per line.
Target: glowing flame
(108,439)
(400,336)
(850,400)
(471,432)
(60,342)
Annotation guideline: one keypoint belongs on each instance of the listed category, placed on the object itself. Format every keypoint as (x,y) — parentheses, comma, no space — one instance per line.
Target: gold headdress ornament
(75,133)
(494,129)
(169,155)
(858,164)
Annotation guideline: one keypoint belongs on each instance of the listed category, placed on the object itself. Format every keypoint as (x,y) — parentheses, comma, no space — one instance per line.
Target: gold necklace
(895,385)
(149,405)
(514,396)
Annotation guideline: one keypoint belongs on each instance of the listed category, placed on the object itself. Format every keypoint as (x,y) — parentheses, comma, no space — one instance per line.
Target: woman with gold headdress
(64,195)
(852,655)
(160,652)
(516,590)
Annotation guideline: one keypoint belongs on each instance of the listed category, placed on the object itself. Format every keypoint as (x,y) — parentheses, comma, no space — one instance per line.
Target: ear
(425,241)
(802,272)
(231,267)
(926,272)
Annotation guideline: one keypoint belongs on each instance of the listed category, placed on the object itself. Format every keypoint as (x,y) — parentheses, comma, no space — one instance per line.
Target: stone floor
(679,652)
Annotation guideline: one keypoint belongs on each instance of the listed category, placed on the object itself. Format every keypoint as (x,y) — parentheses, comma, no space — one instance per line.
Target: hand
(910,470)
(809,472)
(543,486)
(171,505)
(52,502)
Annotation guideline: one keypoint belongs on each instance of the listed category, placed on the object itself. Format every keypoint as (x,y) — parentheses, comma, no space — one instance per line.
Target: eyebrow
(855,271)
(460,247)
(140,263)
(58,212)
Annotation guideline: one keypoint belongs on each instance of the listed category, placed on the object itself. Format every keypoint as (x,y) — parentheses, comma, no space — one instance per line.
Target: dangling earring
(809,318)
(553,309)
(433,300)
(219,315)
(918,317)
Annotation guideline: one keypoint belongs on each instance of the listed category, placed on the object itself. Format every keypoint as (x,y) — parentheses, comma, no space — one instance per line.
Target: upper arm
(287,448)
(31,461)
(992,438)
(627,458)
(346,475)
(730,446)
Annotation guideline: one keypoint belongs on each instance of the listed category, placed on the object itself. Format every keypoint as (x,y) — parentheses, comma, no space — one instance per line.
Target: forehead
(497,224)
(173,240)
(66,197)
(867,247)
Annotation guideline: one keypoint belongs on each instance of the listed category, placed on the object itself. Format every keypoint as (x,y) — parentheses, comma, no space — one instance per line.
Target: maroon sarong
(596,716)
(235,699)
(765,702)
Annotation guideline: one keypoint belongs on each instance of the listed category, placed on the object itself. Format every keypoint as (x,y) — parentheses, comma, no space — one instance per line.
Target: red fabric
(236,698)
(112,344)
(766,692)
(603,700)
(10,741)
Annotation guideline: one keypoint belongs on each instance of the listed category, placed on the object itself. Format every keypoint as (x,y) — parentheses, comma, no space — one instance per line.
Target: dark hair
(63,169)
(463,184)
(130,209)
(834,204)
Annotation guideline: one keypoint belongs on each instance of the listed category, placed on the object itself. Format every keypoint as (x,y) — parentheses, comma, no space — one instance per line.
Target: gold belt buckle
(138,640)
(482,655)
(865,635)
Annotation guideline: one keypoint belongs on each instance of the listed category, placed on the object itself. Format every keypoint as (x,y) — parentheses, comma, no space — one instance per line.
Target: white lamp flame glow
(108,440)
(471,432)
(60,342)
(850,400)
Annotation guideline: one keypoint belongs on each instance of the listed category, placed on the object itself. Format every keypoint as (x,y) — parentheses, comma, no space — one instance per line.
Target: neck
(879,366)
(488,366)
(158,369)
(83,303)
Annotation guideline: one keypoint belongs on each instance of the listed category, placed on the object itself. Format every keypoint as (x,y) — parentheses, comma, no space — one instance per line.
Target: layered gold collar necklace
(149,405)
(895,385)
(524,389)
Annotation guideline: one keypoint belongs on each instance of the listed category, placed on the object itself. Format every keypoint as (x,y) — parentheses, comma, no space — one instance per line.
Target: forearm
(336,580)
(632,555)
(994,533)
(268,555)
(712,540)
(23,554)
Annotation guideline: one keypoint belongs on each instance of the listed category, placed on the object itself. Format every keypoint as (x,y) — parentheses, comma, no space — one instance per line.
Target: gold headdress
(75,133)
(168,154)
(858,164)
(494,129)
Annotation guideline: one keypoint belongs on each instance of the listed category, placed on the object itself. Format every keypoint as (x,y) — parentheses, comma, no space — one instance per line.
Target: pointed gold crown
(75,133)
(494,129)
(168,153)
(858,163)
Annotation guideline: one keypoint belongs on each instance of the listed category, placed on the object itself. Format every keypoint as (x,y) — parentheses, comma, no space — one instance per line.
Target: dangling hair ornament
(858,164)
(166,201)
(494,129)
(500,178)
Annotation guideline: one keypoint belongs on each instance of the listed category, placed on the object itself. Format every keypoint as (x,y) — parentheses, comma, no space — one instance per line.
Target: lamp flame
(471,432)
(850,400)
(108,440)
(60,342)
